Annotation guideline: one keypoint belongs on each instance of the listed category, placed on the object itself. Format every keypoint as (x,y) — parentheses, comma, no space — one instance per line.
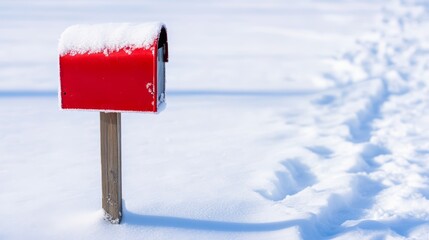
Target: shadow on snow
(196,224)
(174,93)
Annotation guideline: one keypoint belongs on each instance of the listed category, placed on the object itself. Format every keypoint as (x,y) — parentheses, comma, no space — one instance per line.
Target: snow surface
(240,153)
(108,37)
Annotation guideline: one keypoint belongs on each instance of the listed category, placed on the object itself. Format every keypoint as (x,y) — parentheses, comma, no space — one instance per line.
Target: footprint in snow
(321,151)
(292,179)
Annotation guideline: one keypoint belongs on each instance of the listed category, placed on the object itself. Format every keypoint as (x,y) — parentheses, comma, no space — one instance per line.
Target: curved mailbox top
(113,67)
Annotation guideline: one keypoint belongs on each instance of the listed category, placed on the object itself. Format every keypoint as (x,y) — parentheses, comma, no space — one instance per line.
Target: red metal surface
(117,82)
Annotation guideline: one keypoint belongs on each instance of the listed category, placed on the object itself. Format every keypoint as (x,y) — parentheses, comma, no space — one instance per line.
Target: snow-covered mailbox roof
(113,67)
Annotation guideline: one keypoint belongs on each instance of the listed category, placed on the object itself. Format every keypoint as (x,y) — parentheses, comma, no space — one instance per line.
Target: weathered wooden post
(111,181)
(113,68)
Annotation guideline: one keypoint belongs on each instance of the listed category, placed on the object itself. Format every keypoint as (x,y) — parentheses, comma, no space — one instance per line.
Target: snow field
(380,189)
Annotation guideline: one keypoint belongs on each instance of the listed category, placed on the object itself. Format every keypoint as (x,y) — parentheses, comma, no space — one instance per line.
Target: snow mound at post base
(108,37)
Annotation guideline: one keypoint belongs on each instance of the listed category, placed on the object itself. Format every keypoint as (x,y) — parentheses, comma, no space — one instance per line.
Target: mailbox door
(160,77)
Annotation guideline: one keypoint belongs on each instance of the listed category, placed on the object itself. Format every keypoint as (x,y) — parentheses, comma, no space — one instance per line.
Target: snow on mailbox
(113,67)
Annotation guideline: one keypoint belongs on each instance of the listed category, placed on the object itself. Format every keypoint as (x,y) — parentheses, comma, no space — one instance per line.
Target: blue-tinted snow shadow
(208,225)
(402,227)
(173,93)
(27,94)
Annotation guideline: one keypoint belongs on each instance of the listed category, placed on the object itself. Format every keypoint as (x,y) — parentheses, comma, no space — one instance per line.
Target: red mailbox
(113,67)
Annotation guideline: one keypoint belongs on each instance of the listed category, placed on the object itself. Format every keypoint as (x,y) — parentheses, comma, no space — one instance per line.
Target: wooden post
(110,132)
